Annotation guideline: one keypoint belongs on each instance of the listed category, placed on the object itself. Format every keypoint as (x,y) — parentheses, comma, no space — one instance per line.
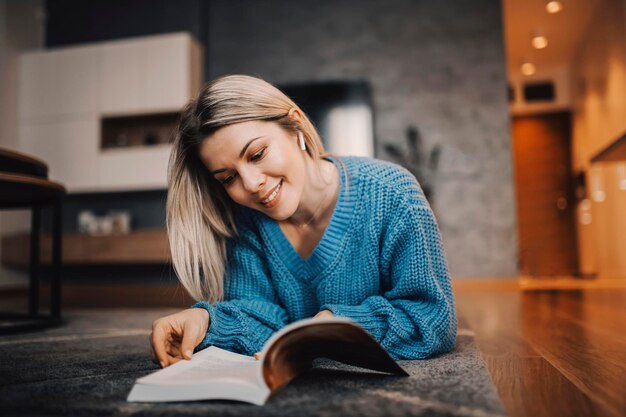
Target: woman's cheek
(238,196)
(276,164)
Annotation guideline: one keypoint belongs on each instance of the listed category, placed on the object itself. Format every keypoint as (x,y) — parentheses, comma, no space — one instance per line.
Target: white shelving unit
(65,92)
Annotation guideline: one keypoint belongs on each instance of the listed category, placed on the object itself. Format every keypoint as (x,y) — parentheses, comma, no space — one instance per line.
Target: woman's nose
(253,180)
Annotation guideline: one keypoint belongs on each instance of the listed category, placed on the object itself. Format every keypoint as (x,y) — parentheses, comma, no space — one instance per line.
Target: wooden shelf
(139,130)
(103,295)
(139,247)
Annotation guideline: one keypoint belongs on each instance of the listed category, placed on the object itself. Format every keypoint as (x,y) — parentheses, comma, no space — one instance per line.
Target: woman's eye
(228,180)
(257,156)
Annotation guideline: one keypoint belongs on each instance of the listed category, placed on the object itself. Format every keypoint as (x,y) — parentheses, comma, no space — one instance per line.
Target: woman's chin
(279,213)
(278,216)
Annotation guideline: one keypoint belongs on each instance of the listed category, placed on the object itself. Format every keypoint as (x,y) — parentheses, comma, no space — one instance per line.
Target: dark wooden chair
(24,183)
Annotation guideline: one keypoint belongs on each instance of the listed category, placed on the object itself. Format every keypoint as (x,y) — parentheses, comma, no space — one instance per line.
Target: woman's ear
(295,115)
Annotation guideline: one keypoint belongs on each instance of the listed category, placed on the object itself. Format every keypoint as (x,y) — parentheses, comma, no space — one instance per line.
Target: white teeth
(273,195)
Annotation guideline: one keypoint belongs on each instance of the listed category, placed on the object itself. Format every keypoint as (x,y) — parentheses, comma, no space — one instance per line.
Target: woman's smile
(274,197)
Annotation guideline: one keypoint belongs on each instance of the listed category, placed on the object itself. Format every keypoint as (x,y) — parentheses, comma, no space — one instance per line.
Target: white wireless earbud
(301,141)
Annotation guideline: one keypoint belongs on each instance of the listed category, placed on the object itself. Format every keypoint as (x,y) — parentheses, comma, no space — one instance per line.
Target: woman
(265,229)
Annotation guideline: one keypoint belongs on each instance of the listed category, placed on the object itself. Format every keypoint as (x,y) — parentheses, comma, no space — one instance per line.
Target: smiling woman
(268,169)
(266,228)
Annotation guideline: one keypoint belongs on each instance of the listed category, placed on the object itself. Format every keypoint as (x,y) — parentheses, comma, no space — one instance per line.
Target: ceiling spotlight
(553,6)
(539,41)
(528,68)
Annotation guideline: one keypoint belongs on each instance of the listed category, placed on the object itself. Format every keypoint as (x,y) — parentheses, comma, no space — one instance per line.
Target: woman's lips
(274,201)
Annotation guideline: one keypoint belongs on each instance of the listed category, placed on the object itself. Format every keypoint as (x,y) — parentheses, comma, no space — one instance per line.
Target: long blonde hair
(199,212)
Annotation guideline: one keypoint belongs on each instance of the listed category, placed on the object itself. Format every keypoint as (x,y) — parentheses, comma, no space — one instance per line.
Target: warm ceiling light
(539,42)
(528,68)
(554,6)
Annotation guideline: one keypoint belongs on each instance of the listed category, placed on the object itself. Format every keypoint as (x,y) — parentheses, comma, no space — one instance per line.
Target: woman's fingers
(173,349)
(165,348)
(192,334)
(174,337)
(194,330)
(158,340)
(174,360)
(322,314)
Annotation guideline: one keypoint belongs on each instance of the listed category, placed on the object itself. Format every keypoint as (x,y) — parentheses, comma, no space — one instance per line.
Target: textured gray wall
(439,66)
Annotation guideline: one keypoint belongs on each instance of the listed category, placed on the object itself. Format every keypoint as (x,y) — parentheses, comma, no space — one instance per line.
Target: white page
(213,373)
(207,365)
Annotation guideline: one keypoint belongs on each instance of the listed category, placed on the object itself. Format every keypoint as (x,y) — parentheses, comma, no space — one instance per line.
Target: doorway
(545,195)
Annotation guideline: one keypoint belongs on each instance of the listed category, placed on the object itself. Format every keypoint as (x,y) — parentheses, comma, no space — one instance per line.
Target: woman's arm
(251,311)
(415,317)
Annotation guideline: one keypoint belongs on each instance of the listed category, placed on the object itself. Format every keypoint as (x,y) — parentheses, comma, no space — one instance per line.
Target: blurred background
(511,114)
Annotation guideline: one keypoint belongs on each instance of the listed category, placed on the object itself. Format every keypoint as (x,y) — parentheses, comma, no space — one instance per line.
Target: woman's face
(259,164)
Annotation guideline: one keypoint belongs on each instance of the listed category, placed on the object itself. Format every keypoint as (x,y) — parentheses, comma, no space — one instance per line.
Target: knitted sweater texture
(380,262)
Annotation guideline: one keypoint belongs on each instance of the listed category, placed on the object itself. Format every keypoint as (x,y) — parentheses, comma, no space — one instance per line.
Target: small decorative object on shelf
(114,222)
(121,140)
(150,139)
(121,222)
(138,130)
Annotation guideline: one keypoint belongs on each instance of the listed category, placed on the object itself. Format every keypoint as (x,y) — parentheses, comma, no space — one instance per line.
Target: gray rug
(87,367)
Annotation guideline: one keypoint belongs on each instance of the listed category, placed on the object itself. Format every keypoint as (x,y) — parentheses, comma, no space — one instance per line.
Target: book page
(209,364)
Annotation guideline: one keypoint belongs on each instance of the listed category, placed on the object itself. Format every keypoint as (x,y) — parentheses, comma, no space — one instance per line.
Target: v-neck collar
(329,247)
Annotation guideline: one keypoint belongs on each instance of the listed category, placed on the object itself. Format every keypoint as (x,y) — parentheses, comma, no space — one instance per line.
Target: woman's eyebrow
(243,151)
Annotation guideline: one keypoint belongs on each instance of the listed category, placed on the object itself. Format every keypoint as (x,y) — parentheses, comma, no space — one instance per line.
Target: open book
(214,373)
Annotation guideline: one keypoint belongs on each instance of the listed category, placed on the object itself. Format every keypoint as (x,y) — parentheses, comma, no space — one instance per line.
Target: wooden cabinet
(170,74)
(58,84)
(143,167)
(148,75)
(36,90)
(70,148)
(64,93)
(121,73)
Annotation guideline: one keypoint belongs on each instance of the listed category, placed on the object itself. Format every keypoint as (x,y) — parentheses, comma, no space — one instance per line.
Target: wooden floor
(550,353)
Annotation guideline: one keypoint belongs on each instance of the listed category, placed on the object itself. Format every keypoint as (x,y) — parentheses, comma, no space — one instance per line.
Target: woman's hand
(175,336)
(323,314)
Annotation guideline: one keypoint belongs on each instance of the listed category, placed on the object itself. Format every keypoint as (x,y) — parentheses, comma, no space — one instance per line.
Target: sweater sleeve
(251,311)
(414,318)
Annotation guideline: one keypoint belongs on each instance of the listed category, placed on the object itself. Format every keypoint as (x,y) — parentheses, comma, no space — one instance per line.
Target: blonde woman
(265,228)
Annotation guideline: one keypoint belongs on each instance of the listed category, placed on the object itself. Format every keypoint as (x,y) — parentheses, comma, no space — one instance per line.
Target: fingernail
(188,353)
(162,364)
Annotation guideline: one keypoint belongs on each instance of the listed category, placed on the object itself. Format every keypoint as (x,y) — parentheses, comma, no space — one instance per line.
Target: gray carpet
(87,367)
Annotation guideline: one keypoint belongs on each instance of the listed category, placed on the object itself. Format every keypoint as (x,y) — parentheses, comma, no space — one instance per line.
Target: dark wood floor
(550,353)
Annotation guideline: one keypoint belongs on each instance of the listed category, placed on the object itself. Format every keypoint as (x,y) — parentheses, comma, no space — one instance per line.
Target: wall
(71,22)
(21,28)
(438,66)
(599,118)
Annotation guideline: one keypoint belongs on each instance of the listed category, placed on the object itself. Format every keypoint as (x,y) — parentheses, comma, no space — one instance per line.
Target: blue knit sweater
(380,263)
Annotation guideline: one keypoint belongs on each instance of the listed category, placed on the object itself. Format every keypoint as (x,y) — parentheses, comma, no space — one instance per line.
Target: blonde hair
(198,210)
